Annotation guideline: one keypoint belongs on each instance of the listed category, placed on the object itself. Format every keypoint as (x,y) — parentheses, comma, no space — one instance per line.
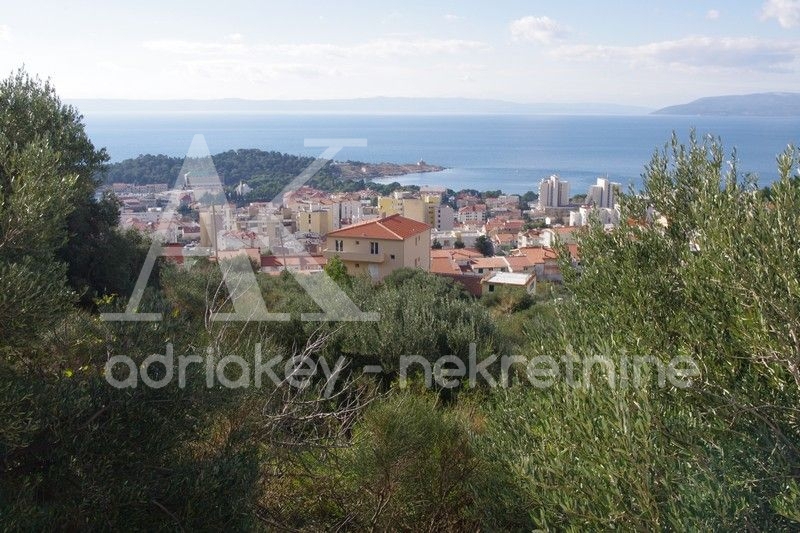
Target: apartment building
(378,247)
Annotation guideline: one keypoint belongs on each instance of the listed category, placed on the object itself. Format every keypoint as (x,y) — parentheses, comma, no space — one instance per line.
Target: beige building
(318,221)
(427,209)
(319,217)
(378,247)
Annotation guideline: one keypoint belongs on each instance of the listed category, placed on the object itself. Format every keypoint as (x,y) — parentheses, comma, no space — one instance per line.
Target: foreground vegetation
(719,282)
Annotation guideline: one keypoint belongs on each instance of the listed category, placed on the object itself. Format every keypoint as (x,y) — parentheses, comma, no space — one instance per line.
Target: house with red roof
(379,247)
(544,260)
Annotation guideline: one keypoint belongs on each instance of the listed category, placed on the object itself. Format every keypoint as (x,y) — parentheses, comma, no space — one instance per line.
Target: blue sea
(483,152)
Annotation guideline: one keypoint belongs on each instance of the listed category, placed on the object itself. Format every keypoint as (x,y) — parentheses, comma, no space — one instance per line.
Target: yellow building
(378,247)
(422,209)
(390,205)
(319,220)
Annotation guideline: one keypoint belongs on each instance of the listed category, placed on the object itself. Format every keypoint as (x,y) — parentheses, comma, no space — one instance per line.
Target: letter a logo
(199,176)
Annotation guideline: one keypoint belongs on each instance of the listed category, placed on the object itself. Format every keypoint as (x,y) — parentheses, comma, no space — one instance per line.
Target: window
(392,256)
(491,288)
(339,245)
(373,248)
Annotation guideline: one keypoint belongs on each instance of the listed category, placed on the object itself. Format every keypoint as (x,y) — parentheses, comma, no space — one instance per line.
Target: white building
(603,194)
(442,217)
(584,215)
(553,192)
(471,214)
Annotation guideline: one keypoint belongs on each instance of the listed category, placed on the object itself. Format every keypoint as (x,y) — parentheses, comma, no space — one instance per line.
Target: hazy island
(756,105)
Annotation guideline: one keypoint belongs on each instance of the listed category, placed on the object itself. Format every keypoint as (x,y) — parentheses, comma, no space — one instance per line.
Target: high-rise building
(603,194)
(553,192)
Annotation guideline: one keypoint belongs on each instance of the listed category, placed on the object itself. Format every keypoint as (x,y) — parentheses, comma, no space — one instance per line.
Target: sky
(651,53)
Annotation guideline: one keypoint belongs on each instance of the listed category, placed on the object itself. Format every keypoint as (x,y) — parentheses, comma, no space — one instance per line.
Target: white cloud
(695,52)
(380,48)
(451,17)
(5,33)
(410,47)
(257,73)
(283,66)
(543,30)
(231,45)
(786,12)
(712,14)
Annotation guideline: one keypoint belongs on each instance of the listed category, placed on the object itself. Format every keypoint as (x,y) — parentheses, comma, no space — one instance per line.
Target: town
(481,240)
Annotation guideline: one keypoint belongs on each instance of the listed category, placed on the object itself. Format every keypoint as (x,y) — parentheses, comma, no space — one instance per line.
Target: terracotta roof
(270,261)
(505,237)
(574,251)
(393,228)
(519,262)
(489,262)
(456,253)
(537,254)
(566,230)
(466,253)
(444,265)
(472,208)
(514,224)
(440,253)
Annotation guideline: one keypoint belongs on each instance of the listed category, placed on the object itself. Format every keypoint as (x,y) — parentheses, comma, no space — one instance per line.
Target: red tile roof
(444,265)
(539,254)
(466,253)
(489,262)
(472,208)
(518,263)
(393,228)
(461,254)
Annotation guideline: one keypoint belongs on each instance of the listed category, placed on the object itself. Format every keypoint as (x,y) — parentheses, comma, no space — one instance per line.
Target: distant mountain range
(371,106)
(759,104)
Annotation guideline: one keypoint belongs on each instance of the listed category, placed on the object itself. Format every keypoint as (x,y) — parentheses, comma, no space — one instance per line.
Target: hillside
(266,172)
(760,104)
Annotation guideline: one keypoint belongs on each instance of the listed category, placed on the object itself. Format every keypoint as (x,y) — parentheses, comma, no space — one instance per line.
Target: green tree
(36,125)
(526,198)
(484,246)
(436,244)
(412,464)
(714,281)
(337,270)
